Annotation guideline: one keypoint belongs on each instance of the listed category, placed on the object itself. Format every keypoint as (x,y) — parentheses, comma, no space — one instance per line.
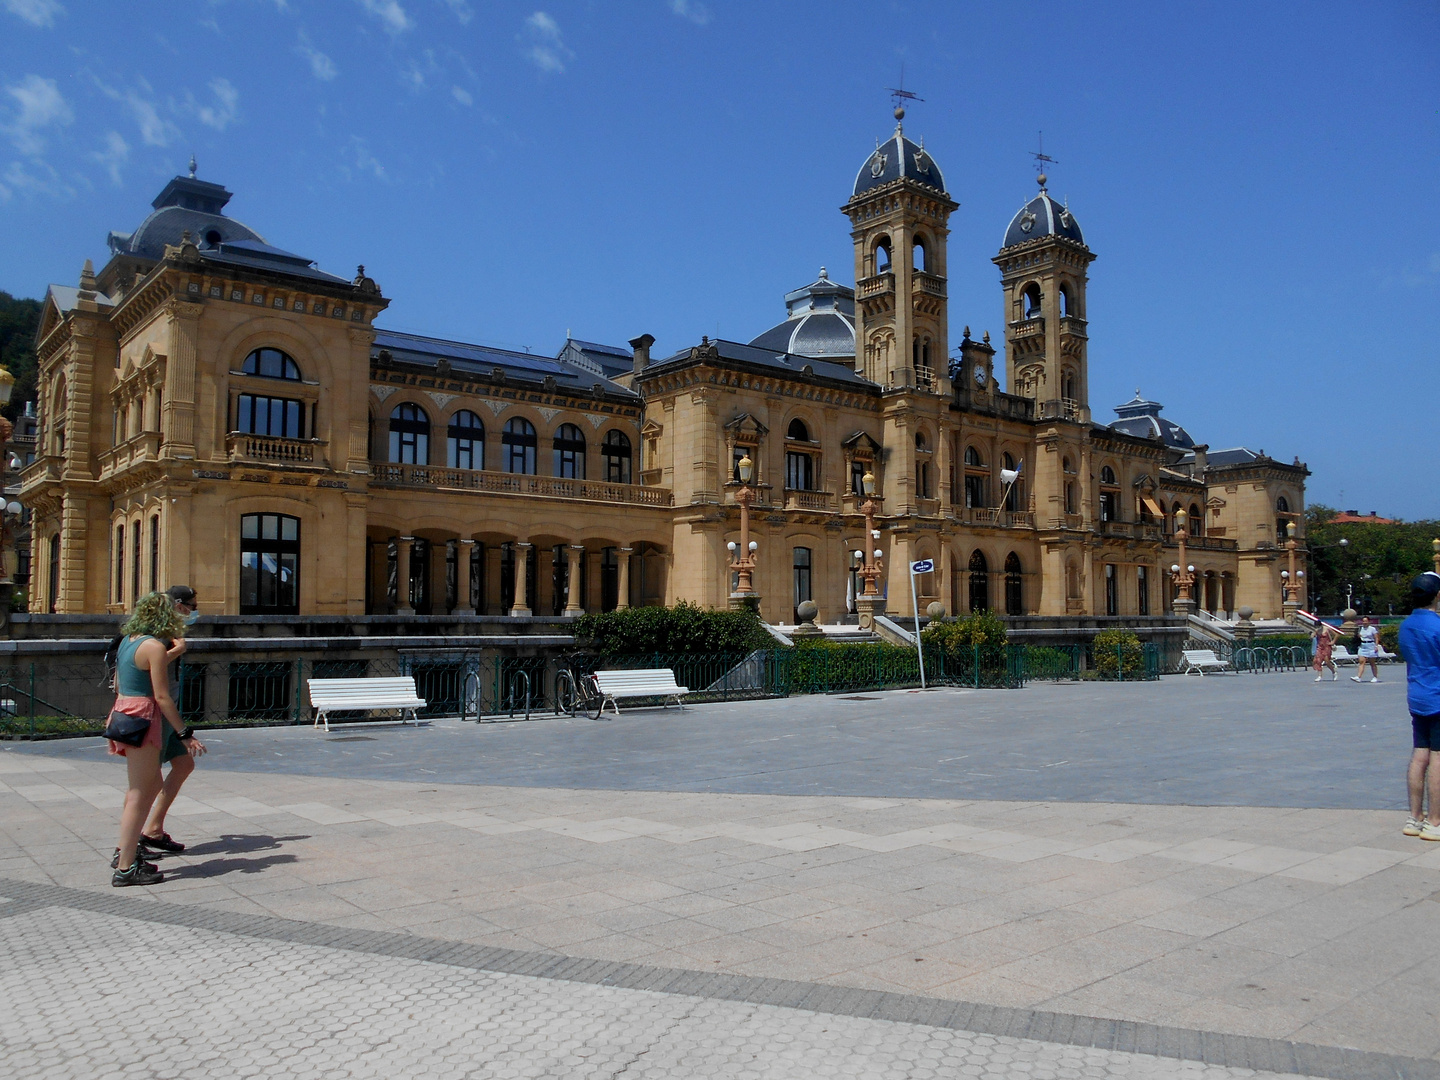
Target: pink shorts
(140,706)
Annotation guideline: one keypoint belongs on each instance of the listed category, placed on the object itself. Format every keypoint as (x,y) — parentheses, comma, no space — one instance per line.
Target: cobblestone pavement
(126,998)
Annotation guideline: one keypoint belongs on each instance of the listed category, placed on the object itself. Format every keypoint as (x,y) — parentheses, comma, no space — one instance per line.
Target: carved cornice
(678,380)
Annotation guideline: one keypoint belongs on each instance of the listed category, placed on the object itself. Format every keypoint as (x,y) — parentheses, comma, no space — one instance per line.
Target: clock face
(981,378)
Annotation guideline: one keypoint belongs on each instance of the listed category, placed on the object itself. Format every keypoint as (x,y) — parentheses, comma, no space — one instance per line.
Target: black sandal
(161,843)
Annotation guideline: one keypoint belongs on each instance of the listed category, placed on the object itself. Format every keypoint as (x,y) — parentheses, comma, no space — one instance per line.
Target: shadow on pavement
(242,844)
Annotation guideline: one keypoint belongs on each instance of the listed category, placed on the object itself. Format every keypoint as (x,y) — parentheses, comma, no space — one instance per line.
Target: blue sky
(1257,180)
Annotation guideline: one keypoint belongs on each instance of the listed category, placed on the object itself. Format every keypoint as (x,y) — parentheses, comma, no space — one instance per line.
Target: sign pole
(924,566)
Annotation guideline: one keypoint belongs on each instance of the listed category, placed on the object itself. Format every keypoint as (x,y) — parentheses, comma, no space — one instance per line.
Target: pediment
(861,440)
(747,425)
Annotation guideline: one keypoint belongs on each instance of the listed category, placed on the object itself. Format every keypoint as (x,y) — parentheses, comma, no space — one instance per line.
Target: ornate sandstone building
(219,411)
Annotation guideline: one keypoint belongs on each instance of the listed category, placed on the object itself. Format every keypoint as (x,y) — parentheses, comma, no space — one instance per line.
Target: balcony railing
(1059,409)
(1205,543)
(924,377)
(798,499)
(272,450)
(878,285)
(1001,519)
(927,507)
(133,451)
(386,474)
(1072,326)
(929,284)
(47,468)
(1027,328)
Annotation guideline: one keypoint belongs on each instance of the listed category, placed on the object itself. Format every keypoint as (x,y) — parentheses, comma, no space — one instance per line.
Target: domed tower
(898,213)
(1043,269)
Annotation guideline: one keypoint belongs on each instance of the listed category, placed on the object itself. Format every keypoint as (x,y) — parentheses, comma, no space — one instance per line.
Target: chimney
(1202,458)
(641,345)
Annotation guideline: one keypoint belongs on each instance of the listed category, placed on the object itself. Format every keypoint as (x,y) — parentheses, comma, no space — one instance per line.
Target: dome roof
(186,205)
(820,322)
(895,158)
(1042,216)
(1142,418)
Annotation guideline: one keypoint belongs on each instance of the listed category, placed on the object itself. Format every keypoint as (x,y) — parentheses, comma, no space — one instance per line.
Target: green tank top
(130,681)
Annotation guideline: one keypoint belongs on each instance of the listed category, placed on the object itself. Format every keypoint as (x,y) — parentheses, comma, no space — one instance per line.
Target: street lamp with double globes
(742,555)
(1184,579)
(1290,579)
(870,602)
(9,557)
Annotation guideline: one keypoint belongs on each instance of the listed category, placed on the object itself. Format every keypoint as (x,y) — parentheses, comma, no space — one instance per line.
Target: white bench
(1341,655)
(638,683)
(339,695)
(1199,661)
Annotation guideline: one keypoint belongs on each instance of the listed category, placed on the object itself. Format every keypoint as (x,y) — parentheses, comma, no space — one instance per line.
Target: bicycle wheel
(565,694)
(594,700)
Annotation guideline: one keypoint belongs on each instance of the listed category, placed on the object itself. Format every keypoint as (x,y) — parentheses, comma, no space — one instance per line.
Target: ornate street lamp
(9,558)
(742,555)
(1184,573)
(1290,579)
(870,602)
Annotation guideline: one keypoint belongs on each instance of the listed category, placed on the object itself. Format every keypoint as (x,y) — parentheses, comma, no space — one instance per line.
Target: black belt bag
(127,729)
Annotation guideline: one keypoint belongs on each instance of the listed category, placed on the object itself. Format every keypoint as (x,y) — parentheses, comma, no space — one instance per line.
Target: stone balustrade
(388,474)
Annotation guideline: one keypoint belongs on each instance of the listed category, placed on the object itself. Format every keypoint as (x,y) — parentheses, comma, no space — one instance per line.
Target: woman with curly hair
(142,684)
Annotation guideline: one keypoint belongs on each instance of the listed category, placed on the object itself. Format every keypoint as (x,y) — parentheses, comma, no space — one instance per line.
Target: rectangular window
(119,582)
(799,471)
(135,557)
(1112,590)
(1142,582)
(801,561)
(155,553)
(857,476)
(281,418)
(975,490)
(269,564)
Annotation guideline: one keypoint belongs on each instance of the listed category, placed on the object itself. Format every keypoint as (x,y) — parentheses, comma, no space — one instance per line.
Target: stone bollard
(806,610)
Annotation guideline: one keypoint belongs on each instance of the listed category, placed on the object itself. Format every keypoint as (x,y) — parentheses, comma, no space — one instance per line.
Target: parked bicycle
(576,689)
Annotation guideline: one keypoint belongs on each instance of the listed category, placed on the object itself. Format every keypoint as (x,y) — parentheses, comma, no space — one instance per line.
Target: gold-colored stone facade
(142,480)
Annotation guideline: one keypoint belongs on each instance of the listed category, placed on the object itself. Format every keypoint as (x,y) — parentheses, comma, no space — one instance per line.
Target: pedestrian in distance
(1420,646)
(1369,635)
(142,687)
(1324,635)
(180,756)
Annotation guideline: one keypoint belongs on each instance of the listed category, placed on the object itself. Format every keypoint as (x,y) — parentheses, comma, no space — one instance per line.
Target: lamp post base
(1185,606)
(868,607)
(1291,609)
(741,601)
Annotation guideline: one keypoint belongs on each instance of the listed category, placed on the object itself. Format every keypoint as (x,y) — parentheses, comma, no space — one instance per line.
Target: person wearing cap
(1420,646)
(181,756)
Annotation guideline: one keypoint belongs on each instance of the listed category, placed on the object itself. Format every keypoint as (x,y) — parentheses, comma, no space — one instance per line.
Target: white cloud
(391,15)
(115,154)
(546,49)
(693,10)
(38,105)
(220,115)
(462,96)
(364,160)
(461,9)
(42,181)
(321,66)
(155,130)
(35,12)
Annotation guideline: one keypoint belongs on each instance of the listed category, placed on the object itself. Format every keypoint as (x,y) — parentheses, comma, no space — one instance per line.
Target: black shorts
(1427,731)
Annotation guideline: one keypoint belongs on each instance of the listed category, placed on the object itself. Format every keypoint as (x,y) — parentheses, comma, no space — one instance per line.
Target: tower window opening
(917,255)
(798,431)
(1065,305)
(882,257)
(1030,302)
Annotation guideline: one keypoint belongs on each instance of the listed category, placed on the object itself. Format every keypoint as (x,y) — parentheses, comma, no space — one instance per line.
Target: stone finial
(966,335)
(192,166)
(824,274)
(87,276)
(987,337)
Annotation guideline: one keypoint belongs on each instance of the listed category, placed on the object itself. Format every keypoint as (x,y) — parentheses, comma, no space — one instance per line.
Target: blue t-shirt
(1420,645)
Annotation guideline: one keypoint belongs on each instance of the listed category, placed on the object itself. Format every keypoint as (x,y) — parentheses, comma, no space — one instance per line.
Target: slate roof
(786,364)
(820,322)
(66,297)
(1142,418)
(895,158)
(483,359)
(1042,216)
(607,360)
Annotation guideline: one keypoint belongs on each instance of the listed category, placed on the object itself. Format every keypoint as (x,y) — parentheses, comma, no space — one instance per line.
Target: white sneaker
(1429,832)
(1374,680)
(1319,678)
(1354,678)
(1413,826)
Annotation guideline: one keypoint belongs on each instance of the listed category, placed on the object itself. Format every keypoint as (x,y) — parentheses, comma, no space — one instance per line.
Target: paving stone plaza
(1194,878)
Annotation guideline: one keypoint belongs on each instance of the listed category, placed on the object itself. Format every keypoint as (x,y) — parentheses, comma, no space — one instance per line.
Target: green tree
(19,320)
(1377,561)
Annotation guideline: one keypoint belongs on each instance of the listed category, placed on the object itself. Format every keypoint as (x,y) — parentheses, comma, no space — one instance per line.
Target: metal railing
(388,474)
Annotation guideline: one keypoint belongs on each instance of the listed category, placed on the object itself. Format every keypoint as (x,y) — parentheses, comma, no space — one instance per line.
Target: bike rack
(515,680)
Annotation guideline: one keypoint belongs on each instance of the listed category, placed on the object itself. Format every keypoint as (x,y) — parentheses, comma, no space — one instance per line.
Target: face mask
(192,618)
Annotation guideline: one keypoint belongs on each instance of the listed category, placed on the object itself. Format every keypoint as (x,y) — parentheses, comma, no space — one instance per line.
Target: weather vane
(900,95)
(1042,159)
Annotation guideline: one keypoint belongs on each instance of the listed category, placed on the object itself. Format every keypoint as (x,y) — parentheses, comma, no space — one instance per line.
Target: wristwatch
(188,733)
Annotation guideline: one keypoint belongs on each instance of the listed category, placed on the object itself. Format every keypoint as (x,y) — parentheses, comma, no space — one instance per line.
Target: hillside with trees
(19,319)
(1378,562)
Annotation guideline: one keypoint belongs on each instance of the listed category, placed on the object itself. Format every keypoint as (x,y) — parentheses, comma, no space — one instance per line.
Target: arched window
(615,453)
(409,435)
(976,479)
(569,453)
(1109,495)
(921,443)
(1069,386)
(1015,490)
(979,583)
(1282,519)
(882,256)
(271,364)
(465,442)
(917,254)
(798,430)
(1112,590)
(1197,521)
(519,444)
(269,564)
(1030,302)
(1014,586)
(1065,301)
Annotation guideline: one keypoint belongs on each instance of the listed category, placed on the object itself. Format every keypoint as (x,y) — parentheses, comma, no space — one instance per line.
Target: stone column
(379,583)
(439,553)
(573,606)
(522,573)
(402,575)
(622,590)
(462,578)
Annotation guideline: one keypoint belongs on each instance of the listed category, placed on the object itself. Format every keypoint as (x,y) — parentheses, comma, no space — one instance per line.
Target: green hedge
(1118,650)
(957,639)
(684,628)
